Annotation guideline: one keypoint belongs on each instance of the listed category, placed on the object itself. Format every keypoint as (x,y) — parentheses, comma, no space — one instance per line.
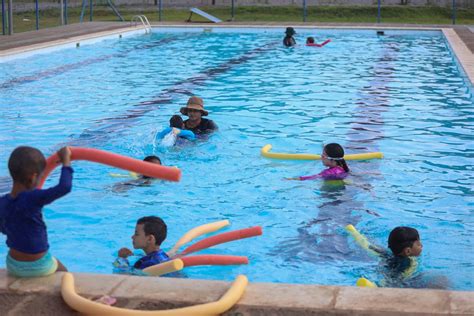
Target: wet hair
(402,237)
(310,40)
(24,162)
(153,159)
(154,225)
(176,121)
(336,152)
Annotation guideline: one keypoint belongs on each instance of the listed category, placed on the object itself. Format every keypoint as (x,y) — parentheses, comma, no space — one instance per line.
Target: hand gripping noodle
(265,151)
(222,238)
(88,307)
(114,160)
(196,232)
(215,260)
(165,267)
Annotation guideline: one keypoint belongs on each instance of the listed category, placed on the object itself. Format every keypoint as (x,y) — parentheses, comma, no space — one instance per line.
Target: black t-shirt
(206,126)
(289,41)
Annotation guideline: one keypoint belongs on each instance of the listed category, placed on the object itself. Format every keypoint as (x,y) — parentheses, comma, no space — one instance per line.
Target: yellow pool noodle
(265,151)
(196,232)
(88,307)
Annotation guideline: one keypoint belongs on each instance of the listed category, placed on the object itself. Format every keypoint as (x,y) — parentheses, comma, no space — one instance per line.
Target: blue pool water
(401,94)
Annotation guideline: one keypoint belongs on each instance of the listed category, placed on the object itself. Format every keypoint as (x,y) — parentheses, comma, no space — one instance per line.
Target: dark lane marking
(65,68)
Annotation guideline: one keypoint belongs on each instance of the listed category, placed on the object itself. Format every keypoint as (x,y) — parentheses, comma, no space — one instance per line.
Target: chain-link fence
(26,15)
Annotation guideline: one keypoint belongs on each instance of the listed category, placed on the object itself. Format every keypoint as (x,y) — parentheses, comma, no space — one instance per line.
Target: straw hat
(195,103)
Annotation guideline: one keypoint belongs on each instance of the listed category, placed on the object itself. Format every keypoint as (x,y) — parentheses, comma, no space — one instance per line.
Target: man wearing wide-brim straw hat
(194,109)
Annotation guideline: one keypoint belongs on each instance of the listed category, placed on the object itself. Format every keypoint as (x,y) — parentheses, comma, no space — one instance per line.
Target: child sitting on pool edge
(333,158)
(150,232)
(21,212)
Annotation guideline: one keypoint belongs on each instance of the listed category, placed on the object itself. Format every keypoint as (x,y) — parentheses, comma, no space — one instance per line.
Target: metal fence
(86,7)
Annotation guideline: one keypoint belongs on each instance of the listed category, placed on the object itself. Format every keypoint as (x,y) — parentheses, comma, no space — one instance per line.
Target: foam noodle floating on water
(265,151)
(361,240)
(115,160)
(88,307)
(222,238)
(196,232)
(214,260)
(363,282)
(165,267)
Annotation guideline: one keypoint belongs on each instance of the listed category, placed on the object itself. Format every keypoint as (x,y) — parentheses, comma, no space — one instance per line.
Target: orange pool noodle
(214,260)
(107,158)
(222,238)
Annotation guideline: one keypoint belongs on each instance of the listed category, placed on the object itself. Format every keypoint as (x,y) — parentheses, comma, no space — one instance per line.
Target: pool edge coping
(43,294)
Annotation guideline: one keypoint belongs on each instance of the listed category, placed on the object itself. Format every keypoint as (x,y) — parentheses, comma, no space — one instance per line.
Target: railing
(144,20)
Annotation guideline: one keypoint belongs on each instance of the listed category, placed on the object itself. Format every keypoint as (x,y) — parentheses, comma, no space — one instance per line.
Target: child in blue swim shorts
(21,212)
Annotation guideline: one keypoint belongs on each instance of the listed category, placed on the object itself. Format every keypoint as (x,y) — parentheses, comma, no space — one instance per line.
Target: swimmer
(310,42)
(150,232)
(176,129)
(333,158)
(139,180)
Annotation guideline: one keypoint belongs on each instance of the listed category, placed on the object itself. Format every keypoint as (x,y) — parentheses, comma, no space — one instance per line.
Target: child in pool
(21,212)
(310,42)
(138,179)
(175,130)
(150,232)
(399,265)
(405,245)
(333,158)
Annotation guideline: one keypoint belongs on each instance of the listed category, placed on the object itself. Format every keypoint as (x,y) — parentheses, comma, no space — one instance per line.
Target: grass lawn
(341,14)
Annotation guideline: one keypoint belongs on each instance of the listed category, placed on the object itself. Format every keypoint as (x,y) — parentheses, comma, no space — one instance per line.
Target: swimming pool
(401,94)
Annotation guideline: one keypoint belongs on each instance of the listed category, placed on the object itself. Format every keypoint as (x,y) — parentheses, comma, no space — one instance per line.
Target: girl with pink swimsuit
(333,158)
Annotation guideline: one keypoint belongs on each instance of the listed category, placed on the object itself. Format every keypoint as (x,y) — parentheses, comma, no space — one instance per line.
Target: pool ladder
(144,20)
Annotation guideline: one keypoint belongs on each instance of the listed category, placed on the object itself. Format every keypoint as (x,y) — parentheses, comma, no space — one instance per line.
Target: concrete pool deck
(460,38)
(41,296)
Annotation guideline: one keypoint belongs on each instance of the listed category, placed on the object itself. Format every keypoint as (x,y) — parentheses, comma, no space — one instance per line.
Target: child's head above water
(153,159)
(310,40)
(333,155)
(26,165)
(176,121)
(150,232)
(405,242)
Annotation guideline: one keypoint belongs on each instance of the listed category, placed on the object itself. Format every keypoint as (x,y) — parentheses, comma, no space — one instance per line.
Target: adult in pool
(194,109)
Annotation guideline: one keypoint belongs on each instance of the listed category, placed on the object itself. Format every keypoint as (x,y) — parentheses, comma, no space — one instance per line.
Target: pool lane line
(110,127)
(65,68)
(320,238)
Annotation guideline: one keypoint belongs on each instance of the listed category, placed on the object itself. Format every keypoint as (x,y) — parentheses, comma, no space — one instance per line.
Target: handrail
(144,20)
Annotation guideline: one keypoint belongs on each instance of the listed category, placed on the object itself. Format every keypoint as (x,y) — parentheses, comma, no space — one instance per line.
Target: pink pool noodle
(222,238)
(215,260)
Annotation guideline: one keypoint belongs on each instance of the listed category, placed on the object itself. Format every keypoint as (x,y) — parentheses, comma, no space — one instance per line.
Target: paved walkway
(78,29)
(57,33)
